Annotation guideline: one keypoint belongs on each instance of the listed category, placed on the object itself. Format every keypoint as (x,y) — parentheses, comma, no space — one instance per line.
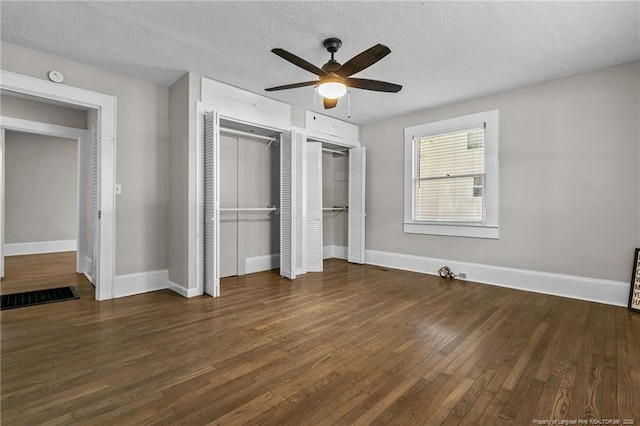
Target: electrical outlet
(462,275)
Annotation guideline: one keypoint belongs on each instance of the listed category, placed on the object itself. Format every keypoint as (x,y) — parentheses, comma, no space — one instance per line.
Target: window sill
(490,232)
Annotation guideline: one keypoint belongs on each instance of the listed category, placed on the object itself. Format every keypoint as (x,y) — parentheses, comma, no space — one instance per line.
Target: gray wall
(249,177)
(335,191)
(142,153)
(183,95)
(327,198)
(41,188)
(43,112)
(569,178)
(259,186)
(340,198)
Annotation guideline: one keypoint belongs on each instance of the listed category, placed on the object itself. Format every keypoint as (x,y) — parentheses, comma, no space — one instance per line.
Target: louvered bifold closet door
(288,205)
(357,172)
(313,215)
(95,213)
(211,188)
(2,203)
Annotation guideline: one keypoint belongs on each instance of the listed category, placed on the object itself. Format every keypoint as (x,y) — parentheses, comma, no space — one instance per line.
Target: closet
(241,191)
(249,196)
(334,203)
(264,200)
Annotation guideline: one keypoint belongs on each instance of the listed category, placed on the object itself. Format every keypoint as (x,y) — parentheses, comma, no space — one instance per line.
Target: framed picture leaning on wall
(634,293)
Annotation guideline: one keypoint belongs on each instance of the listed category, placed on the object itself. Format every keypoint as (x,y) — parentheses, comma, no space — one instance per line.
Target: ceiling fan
(335,78)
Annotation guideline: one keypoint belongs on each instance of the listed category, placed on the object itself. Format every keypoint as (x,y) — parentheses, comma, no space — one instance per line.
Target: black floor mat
(38,297)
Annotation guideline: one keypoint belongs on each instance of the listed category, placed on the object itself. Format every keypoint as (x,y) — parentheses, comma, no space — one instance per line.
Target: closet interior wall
(335,192)
(249,178)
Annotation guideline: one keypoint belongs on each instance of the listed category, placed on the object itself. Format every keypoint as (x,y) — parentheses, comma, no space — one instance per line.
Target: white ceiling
(441,52)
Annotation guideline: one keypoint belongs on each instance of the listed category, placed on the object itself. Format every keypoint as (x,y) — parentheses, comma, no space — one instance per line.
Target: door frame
(46,129)
(105,105)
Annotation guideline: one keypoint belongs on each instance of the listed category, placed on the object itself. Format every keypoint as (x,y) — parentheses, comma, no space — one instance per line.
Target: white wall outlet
(118,188)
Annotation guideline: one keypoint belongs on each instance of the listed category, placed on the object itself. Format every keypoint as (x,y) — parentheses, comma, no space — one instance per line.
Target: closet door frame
(202,109)
(352,147)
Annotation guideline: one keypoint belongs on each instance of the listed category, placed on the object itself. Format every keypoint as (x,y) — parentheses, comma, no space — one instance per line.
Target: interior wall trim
(39,247)
(574,287)
(140,282)
(335,252)
(261,263)
(183,291)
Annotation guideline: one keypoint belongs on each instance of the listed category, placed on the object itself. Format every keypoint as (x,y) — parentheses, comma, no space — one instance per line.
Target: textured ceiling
(442,52)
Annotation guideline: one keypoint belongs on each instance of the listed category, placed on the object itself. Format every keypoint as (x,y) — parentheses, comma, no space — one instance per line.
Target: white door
(211,235)
(84,198)
(288,200)
(357,173)
(1,203)
(313,212)
(95,213)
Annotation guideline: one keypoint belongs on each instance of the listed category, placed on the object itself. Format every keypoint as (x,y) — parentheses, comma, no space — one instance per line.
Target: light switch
(118,188)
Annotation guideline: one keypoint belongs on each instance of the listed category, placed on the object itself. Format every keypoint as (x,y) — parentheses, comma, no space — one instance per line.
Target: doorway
(103,109)
(46,231)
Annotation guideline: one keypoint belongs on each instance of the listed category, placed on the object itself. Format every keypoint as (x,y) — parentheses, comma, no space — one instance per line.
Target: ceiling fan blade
(292,86)
(330,103)
(378,86)
(296,60)
(363,60)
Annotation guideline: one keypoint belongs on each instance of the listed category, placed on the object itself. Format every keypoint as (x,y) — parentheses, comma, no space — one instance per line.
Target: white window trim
(488,229)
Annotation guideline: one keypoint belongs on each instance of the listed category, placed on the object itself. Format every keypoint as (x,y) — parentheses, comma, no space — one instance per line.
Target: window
(451,177)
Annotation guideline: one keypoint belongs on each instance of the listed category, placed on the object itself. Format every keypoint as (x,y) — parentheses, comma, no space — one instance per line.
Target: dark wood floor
(352,345)
(43,271)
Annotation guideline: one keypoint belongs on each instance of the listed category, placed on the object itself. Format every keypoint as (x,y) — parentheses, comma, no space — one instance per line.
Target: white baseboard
(574,287)
(39,247)
(337,252)
(141,282)
(183,291)
(272,261)
(261,263)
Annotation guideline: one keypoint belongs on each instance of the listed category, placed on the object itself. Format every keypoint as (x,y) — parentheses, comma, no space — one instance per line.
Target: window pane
(448,199)
(451,154)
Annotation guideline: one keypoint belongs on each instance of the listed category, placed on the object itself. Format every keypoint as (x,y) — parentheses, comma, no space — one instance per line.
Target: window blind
(449,177)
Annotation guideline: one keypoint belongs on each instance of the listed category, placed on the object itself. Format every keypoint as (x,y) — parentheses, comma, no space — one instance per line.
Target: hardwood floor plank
(356,344)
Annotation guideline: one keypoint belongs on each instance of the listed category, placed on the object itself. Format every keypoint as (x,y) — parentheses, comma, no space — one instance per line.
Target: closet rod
(250,209)
(334,151)
(241,133)
(335,209)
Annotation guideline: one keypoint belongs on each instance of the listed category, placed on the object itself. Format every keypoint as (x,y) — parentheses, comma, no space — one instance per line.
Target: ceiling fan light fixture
(332,88)
(336,79)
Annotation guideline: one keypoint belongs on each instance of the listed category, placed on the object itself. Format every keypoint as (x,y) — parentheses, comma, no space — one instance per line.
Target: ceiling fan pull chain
(315,93)
(348,102)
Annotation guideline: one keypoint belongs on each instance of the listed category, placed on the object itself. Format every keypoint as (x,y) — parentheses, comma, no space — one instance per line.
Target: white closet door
(95,213)
(211,204)
(357,172)
(288,204)
(2,165)
(313,215)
